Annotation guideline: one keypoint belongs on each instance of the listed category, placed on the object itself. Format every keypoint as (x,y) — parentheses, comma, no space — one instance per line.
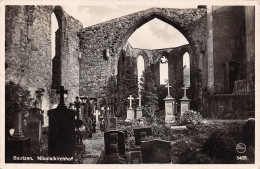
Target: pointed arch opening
(186,69)
(56,41)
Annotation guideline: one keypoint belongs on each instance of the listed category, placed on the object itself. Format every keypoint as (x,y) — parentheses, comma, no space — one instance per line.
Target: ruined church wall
(228,42)
(175,66)
(28,48)
(96,66)
(28,51)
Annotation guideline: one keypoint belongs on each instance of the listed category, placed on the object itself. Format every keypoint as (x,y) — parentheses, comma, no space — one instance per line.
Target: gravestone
(156,151)
(130,110)
(34,128)
(147,130)
(134,157)
(112,123)
(18,144)
(61,130)
(169,107)
(120,142)
(142,121)
(185,102)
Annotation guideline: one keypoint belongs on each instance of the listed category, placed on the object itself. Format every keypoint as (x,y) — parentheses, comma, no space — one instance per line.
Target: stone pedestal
(130,113)
(169,109)
(35,129)
(61,132)
(185,105)
(17,148)
(112,124)
(139,112)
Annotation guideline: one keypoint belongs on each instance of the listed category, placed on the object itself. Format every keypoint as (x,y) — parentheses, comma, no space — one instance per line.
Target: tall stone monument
(62,130)
(185,102)
(35,128)
(130,110)
(139,112)
(18,144)
(169,107)
(112,125)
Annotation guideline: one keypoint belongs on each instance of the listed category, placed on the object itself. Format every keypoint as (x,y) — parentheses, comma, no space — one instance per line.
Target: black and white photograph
(129,83)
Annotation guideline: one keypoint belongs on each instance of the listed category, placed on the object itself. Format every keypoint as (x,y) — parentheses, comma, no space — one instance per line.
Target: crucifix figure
(62,91)
(168,86)
(185,88)
(140,99)
(130,98)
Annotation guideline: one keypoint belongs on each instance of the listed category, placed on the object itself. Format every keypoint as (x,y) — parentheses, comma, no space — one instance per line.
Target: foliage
(148,92)
(191,117)
(13,104)
(87,118)
(162,93)
(127,85)
(225,146)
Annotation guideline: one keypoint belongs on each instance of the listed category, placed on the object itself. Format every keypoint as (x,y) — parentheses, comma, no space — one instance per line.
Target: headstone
(156,151)
(19,144)
(169,107)
(34,129)
(61,130)
(185,102)
(120,142)
(112,123)
(147,130)
(134,157)
(142,121)
(130,111)
(111,148)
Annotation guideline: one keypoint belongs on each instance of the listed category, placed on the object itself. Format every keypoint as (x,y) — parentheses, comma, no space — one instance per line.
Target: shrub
(191,117)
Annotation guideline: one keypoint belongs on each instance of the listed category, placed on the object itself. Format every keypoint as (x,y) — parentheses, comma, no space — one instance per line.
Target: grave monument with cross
(78,122)
(112,120)
(185,102)
(130,111)
(35,127)
(18,144)
(169,106)
(61,129)
(139,112)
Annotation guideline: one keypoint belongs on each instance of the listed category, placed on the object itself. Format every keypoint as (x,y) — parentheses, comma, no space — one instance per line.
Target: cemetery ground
(213,142)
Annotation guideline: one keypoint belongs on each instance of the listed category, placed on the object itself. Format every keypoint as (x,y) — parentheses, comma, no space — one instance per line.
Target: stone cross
(185,88)
(140,99)
(130,98)
(168,86)
(62,91)
(77,104)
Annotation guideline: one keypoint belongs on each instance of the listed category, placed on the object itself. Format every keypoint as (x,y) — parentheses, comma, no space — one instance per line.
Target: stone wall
(227,106)
(228,42)
(250,41)
(175,66)
(101,44)
(28,50)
